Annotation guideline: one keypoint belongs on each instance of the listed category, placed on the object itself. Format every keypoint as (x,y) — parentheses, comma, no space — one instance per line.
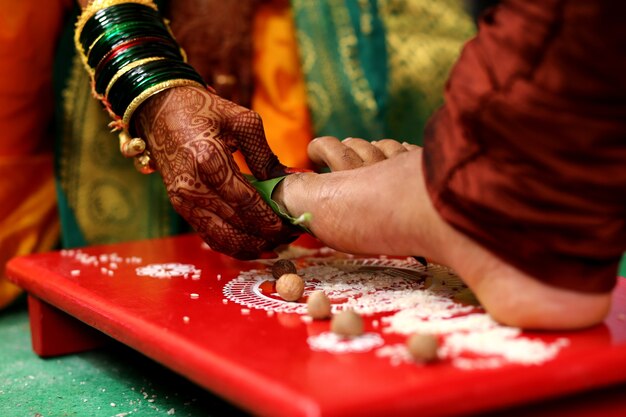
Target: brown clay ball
(347,324)
(282,267)
(290,287)
(422,347)
(318,305)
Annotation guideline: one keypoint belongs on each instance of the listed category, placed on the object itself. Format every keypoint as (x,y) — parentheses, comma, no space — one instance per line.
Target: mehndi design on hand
(191,135)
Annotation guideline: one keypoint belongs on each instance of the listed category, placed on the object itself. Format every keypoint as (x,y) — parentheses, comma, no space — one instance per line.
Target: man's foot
(512,297)
(384,208)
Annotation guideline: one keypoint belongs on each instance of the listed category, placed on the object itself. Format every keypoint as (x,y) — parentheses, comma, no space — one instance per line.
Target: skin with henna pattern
(191,134)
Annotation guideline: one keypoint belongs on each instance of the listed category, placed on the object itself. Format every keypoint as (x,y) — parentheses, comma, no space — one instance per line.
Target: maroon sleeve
(528,155)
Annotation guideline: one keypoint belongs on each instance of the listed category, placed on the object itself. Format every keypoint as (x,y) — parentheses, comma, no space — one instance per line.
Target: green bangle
(92,8)
(109,40)
(106,18)
(103,77)
(134,82)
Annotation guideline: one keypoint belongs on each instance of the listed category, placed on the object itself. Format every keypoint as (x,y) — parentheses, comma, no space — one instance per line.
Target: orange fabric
(28,33)
(280,92)
(28,216)
(28,221)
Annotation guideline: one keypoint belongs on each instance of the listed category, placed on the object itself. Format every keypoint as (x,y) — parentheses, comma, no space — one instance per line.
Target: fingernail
(373,142)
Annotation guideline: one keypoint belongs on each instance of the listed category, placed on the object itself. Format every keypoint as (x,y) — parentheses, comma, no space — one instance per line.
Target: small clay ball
(422,347)
(282,267)
(347,324)
(318,305)
(290,287)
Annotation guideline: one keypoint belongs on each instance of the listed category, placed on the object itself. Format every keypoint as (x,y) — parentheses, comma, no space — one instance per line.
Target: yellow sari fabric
(280,92)
(28,219)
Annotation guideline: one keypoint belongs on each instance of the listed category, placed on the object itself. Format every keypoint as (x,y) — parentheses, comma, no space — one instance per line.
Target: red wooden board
(264,364)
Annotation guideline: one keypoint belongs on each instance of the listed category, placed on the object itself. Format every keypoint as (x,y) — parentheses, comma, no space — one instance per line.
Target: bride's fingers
(329,151)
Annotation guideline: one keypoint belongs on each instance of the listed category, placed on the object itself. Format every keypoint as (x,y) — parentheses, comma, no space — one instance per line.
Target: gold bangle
(127,68)
(92,8)
(86,54)
(146,94)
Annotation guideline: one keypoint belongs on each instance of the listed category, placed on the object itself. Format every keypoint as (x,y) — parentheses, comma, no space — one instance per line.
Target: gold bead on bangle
(131,147)
(144,164)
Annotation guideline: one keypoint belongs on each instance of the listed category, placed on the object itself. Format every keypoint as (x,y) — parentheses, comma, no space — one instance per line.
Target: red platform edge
(55,333)
(283,401)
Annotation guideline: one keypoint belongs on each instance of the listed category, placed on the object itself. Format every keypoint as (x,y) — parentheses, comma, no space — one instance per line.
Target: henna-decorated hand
(191,134)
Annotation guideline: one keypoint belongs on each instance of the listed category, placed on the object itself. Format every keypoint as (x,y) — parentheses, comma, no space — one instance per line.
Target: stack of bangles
(131,55)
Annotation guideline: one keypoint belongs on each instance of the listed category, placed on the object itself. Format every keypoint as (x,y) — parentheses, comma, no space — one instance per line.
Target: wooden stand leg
(56,333)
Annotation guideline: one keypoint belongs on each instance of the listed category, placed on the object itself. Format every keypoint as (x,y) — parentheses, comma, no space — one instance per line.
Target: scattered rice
(330,342)
(471,339)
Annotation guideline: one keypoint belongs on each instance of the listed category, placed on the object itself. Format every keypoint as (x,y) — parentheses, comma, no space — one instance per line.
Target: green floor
(111,382)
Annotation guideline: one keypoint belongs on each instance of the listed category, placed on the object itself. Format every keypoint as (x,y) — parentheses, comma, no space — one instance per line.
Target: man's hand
(191,134)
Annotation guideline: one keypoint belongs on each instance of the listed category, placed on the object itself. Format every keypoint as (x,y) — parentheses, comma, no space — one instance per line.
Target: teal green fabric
(376,68)
(71,235)
(334,36)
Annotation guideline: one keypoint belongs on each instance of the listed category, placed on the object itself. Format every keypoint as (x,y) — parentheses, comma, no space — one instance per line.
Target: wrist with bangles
(131,55)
